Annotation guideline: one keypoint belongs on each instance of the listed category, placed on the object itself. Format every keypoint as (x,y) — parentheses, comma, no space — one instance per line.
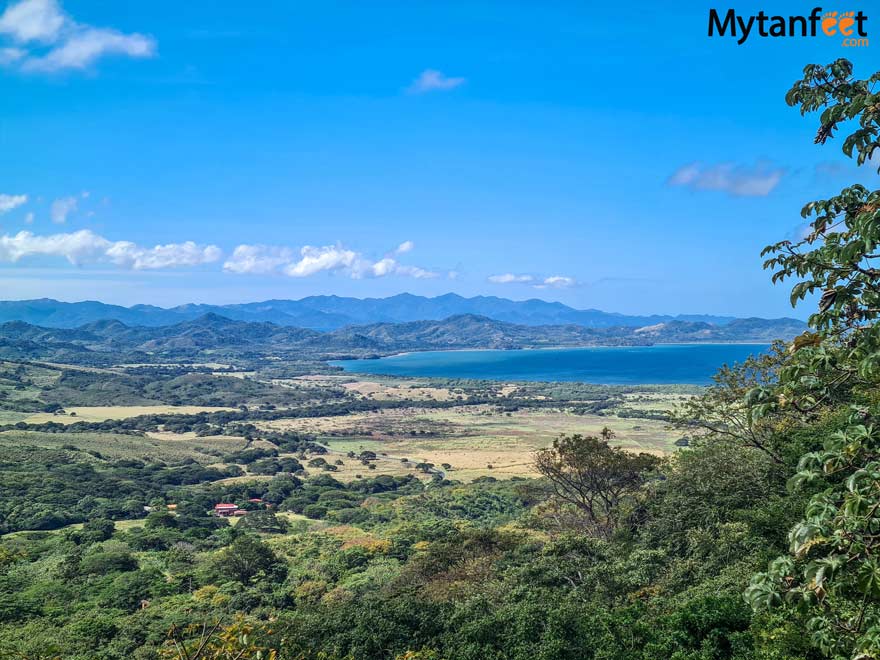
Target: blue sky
(617,159)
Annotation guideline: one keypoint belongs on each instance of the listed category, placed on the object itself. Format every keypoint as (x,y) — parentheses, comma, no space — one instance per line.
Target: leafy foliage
(832,574)
(594,477)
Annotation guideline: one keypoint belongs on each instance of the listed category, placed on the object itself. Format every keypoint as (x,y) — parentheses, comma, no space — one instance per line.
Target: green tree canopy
(833,572)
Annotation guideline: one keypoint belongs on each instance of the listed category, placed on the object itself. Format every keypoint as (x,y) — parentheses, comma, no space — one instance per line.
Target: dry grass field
(472,438)
(408,392)
(379,388)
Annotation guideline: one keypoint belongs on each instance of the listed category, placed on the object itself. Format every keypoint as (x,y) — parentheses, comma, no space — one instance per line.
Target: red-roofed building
(225,509)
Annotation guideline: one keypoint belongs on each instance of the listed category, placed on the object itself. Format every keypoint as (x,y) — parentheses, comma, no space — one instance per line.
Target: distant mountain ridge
(211,337)
(327,313)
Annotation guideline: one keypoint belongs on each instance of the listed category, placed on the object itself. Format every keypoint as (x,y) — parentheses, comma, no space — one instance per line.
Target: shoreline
(556,348)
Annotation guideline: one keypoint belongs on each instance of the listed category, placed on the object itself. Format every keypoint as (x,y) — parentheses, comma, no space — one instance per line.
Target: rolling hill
(211,337)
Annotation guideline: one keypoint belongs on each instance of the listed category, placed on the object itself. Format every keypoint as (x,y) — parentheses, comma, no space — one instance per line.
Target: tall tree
(833,571)
(594,477)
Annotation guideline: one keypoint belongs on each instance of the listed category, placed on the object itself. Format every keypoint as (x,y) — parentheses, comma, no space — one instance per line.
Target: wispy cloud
(431,80)
(9,202)
(10,56)
(86,247)
(258,259)
(833,170)
(45,39)
(311,260)
(552,282)
(556,282)
(420,273)
(61,208)
(736,180)
(511,278)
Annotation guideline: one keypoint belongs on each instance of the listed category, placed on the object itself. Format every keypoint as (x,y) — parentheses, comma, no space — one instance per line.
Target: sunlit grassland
(11,417)
(476,440)
(473,438)
(159,447)
(654,401)
(75,414)
(381,388)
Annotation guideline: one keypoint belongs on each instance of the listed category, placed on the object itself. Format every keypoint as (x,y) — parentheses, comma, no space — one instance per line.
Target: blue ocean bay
(692,364)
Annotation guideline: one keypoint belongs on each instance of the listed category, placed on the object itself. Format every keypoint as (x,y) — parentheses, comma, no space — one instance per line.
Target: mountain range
(328,313)
(211,337)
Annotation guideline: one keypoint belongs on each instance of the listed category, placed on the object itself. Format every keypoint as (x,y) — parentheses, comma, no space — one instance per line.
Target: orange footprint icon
(846,22)
(829,23)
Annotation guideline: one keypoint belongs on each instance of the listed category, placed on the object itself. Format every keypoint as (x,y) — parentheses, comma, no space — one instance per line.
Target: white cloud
(29,218)
(78,248)
(258,259)
(736,180)
(389,266)
(311,260)
(317,259)
(431,80)
(510,278)
(85,47)
(84,247)
(383,267)
(10,56)
(172,255)
(552,282)
(556,282)
(9,202)
(55,42)
(416,272)
(685,175)
(405,247)
(33,20)
(61,208)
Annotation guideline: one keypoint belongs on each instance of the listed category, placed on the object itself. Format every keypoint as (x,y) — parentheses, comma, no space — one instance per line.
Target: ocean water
(691,364)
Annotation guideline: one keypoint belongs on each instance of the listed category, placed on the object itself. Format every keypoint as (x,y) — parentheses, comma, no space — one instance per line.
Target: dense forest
(758,541)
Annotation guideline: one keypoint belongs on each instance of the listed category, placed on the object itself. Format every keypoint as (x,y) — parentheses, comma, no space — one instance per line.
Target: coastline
(557,348)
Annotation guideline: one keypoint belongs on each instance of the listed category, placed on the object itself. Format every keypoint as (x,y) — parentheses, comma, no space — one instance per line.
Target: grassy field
(154,446)
(399,392)
(11,417)
(380,388)
(473,438)
(476,440)
(102,413)
(654,401)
